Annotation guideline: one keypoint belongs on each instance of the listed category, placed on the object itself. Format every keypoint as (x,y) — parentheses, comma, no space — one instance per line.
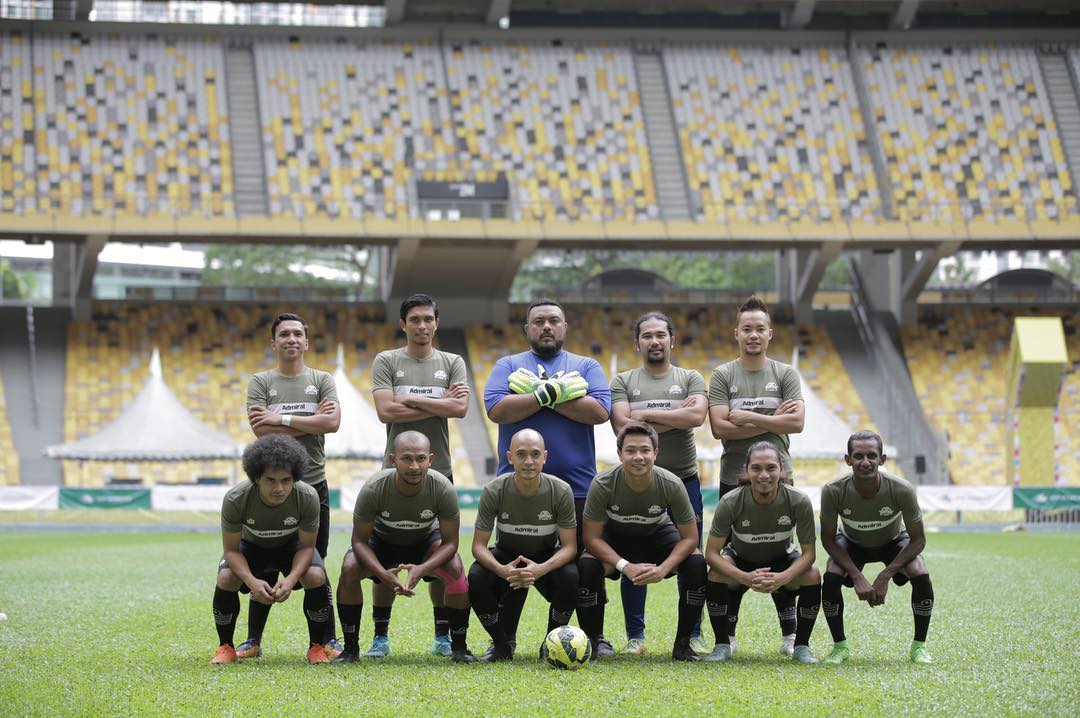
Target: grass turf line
(120,624)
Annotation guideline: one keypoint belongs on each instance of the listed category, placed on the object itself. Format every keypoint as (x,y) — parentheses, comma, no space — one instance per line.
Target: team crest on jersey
(427,514)
(746,522)
(886,511)
(636,392)
(734,390)
(615,507)
(310,389)
(440,374)
(273,392)
(784,520)
(385,514)
(675,389)
(544,515)
(505,515)
(847,512)
(654,509)
(400,374)
(290,521)
(251,521)
(771,386)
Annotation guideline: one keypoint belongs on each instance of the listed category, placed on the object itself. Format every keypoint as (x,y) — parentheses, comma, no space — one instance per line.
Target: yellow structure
(1037,357)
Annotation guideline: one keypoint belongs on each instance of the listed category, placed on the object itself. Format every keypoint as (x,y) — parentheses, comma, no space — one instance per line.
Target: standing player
(748,548)
(295,400)
(563,405)
(880,522)
(268,526)
(754,398)
(672,401)
(406,519)
(627,530)
(418,388)
(533,515)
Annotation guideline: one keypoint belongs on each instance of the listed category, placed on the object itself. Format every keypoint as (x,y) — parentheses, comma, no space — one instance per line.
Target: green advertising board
(1046,498)
(104,498)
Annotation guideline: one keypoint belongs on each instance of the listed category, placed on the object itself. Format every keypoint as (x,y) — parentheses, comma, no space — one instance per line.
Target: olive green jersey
(629,513)
(405,520)
(642,390)
(763,533)
(243,512)
(526,525)
(760,392)
(298,396)
(431,377)
(875,521)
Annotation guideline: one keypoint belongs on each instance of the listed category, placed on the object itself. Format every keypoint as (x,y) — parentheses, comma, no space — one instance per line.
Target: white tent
(155,426)
(361,435)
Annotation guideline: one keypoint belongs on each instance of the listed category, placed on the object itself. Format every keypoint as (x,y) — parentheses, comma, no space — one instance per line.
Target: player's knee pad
(455,586)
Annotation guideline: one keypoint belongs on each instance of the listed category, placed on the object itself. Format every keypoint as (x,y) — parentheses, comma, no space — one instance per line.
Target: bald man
(406,519)
(532,514)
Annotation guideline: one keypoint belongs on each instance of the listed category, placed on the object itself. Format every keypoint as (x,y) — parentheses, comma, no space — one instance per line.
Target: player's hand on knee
(391,581)
(261,591)
(283,590)
(413,577)
(881,587)
(651,574)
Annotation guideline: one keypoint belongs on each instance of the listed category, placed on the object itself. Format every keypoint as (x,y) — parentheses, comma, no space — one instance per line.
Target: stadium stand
(957,360)
(133,125)
(345,126)
(563,120)
(9,458)
(17,168)
(968,132)
(771,133)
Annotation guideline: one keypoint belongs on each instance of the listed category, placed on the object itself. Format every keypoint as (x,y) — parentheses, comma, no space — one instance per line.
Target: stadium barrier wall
(208,498)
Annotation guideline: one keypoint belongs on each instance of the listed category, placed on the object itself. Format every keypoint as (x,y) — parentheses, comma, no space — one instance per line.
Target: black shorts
(546,583)
(653,548)
(267,563)
(885,553)
(392,555)
(783,563)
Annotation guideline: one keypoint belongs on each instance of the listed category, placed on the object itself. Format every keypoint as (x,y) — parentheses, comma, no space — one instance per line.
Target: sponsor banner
(335,500)
(433,190)
(469,498)
(710,497)
(347,497)
(965,498)
(23,498)
(188,498)
(105,498)
(1046,497)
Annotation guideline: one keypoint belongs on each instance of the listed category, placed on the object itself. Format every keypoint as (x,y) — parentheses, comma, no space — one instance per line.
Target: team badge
(614,507)
(251,521)
(544,515)
(290,521)
(273,392)
(771,386)
(675,389)
(746,522)
(636,392)
(385,514)
(847,512)
(310,389)
(400,374)
(784,520)
(440,374)
(505,516)
(886,511)
(427,514)
(734,390)
(654,509)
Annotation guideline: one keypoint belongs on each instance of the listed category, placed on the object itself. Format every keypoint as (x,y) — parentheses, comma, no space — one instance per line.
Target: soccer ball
(566,647)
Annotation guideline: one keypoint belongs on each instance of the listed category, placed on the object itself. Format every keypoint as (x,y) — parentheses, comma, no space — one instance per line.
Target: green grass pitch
(120,624)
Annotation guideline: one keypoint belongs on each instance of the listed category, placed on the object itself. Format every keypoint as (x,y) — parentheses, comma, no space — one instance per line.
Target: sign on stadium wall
(1045,498)
(105,498)
(499,190)
(29,498)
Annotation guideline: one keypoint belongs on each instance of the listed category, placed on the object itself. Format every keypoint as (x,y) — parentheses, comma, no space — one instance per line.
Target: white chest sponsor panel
(660,404)
(636,518)
(405,524)
(271,533)
(752,403)
(435,392)
(870,525)
(526,529)
(294,407)
(777,537)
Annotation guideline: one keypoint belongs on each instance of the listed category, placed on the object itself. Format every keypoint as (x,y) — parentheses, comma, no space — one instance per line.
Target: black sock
(785,610)
(458,620)
(331,624)
(510,608)
(226,607)
(317,611)
(590,609)
(380,615)
(257,615)
(832,602)
(691,594)
(809,605)
(717,598)
(734,603)
(349,613)
(442,620)
(490,621)
(558,618)
(922,604)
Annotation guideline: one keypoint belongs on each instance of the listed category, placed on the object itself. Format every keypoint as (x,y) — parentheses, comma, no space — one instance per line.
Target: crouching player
(268,526)
(406,519)
(761,518)
(874,509)
(536,543)
(627,531)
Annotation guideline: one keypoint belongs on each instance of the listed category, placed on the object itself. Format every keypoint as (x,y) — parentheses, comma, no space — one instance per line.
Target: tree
(288,266)
(15,285)
(1067,266)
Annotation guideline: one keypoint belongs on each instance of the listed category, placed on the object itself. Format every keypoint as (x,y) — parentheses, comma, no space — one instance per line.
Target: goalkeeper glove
(573,387)
(548,393)
(522,381)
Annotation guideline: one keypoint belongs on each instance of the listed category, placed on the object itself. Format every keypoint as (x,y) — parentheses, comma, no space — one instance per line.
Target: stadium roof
(155,426)
(361,435)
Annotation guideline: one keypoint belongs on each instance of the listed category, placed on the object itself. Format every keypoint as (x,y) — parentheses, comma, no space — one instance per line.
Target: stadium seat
(771,133)
(9,458)
(968,132)
(17,155)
